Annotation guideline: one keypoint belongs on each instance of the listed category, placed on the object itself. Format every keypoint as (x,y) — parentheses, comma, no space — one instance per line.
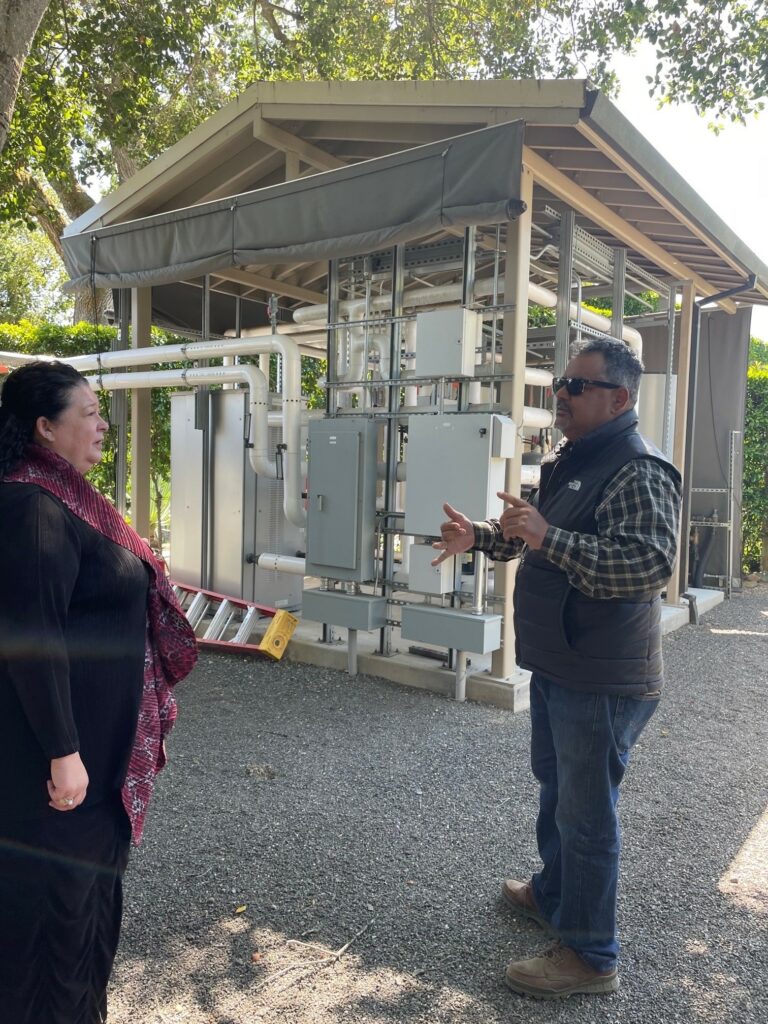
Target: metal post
(564,282)
(352,652)
(617,305)
(141,419)
(392,430)
(666,441)
(203,422)
(119,407)
(478,604)
(512,394)
(333,336)
(460,686)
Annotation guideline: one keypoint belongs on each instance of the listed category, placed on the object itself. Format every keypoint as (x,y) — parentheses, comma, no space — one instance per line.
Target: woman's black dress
(72,633)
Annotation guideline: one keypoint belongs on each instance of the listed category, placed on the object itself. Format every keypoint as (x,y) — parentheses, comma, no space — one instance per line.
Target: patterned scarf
(170,649)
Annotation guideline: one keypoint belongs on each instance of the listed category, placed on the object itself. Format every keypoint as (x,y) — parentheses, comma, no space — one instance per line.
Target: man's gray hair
(622,365)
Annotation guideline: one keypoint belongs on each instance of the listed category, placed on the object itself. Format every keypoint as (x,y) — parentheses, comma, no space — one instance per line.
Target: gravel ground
(303,809)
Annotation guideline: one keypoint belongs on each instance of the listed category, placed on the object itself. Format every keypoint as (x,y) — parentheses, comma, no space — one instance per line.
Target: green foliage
(111,83)
(754,520)
(84,339)
(758,351)
(645,302)
(31,277)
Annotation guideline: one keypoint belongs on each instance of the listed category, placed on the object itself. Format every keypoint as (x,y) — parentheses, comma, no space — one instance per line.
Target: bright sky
(729,171)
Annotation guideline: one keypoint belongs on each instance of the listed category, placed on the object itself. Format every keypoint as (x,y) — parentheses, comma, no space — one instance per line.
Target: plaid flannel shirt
(634,549)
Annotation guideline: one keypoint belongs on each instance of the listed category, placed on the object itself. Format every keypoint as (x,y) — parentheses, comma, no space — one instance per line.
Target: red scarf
(171,647)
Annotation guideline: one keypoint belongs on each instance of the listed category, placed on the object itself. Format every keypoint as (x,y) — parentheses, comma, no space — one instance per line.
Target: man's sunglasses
(578,385)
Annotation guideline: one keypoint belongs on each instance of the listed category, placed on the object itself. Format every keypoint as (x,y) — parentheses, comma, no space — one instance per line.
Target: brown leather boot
(556,973)
(519,896)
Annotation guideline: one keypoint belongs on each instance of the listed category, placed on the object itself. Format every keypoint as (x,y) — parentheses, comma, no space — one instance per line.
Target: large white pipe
(284,344)
(537,295)
(258,403)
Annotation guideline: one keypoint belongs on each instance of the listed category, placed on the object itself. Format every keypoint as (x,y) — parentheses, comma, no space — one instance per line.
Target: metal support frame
(392,431)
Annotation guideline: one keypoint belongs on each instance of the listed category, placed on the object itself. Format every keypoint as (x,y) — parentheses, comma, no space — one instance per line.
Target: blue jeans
(580,745)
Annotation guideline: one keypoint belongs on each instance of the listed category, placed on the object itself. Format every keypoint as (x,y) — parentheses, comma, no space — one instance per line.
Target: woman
(91,642)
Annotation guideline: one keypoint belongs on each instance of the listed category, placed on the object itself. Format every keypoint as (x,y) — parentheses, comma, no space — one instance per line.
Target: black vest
(597,645)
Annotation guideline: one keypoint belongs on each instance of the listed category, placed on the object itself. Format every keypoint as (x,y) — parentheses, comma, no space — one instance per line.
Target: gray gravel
(331,807)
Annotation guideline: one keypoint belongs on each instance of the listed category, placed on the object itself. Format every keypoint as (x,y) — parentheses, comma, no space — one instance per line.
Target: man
(597,543)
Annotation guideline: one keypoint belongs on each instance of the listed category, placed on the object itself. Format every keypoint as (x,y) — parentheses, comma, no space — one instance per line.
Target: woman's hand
(68,783)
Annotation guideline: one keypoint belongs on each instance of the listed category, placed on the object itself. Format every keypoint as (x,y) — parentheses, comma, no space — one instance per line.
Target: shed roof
(581,150)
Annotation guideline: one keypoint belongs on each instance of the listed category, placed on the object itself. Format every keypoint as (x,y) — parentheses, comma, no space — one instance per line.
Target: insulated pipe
(282,563)
(537,295)
(293,506)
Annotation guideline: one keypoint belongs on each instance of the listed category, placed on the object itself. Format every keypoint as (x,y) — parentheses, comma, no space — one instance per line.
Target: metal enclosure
(341,518)
(246,517)
(447,342)
(459,459)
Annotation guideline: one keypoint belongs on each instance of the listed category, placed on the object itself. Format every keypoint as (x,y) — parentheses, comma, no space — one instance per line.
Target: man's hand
(522,520)
(458,535)
(68,783)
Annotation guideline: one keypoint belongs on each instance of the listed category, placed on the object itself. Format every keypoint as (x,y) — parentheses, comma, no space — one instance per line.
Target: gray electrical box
(447,341)
(460,459)
(341,517)
(355,611)
(450,627)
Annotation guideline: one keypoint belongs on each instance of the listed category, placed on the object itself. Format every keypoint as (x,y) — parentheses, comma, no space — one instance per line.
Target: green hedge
(754,516)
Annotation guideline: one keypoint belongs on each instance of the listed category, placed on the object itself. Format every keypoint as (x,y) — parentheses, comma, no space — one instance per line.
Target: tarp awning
(469,179)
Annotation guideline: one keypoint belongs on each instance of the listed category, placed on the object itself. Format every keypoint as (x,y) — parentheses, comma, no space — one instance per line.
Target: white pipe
(538,418)
(282,563)
(538,378)
(537,295)
(258,399)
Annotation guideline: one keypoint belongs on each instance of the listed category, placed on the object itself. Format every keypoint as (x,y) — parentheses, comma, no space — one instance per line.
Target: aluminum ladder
(213,617)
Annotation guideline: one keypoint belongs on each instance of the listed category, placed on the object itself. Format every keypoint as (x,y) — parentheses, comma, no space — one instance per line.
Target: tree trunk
(19,22)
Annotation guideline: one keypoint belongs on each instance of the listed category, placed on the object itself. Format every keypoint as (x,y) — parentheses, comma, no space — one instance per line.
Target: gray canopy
(469,179)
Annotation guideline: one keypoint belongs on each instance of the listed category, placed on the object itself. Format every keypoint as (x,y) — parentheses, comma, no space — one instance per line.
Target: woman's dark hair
(34,390)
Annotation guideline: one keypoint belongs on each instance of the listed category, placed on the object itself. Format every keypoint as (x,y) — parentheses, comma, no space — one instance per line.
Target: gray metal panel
(274,534)
(186,491)
(448,627)
(228,491)
(341,519)
(355,611)
(333,506)
(449,459)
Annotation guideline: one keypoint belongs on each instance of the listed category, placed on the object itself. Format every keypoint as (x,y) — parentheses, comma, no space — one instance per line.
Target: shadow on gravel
(304,809)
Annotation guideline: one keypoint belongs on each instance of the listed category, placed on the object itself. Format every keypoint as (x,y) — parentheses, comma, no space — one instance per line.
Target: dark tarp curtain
(469,179)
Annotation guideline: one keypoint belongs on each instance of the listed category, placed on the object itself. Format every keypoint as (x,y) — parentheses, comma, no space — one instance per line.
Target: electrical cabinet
(341,517)
(446,342)
(460,459)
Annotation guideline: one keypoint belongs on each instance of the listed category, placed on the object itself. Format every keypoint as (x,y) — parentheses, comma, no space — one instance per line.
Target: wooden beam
(648,186)
(281,139)
(567,190)
(270,284)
